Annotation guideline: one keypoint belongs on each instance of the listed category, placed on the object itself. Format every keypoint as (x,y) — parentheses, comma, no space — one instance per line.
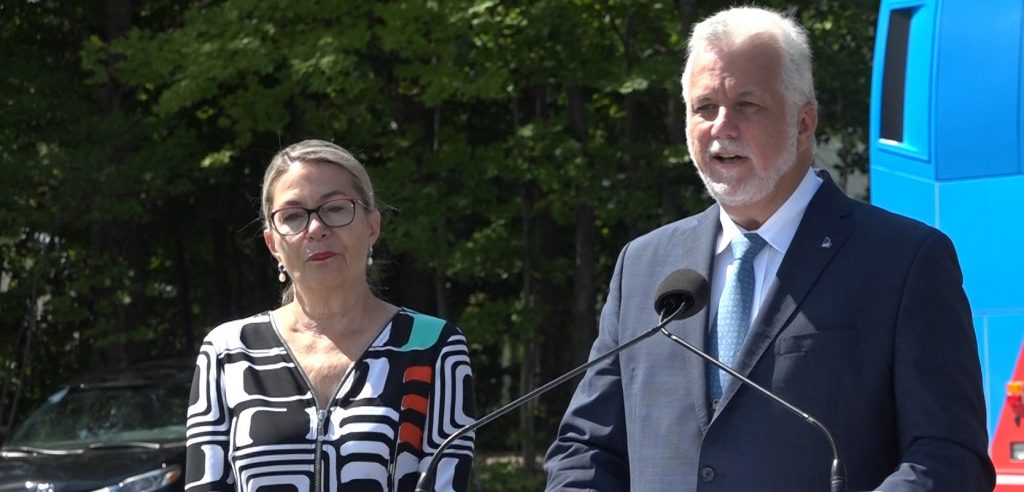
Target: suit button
(707,474)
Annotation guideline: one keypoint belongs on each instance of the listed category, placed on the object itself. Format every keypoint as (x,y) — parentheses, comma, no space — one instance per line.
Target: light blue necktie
(734,308)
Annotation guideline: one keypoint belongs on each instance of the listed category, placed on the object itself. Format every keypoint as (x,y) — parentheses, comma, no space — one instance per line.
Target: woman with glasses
(336,389)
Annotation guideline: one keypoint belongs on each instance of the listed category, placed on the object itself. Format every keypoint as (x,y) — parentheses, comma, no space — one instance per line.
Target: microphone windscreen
(682,287)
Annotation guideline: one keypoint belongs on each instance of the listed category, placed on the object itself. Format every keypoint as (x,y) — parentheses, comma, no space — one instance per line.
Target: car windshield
(106,415)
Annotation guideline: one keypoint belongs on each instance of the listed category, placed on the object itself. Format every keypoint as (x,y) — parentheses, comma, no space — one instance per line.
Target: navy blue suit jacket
(866,328)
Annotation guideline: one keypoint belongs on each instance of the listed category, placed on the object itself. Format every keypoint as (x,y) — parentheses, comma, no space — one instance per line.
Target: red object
(411,435)
(418,373)
(415,402)
(1007,449)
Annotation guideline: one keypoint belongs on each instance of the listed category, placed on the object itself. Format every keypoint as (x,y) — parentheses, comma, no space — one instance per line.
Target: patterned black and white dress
(253,424)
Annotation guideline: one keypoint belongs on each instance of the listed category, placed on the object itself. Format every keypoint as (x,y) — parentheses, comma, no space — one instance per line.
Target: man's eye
(706,109)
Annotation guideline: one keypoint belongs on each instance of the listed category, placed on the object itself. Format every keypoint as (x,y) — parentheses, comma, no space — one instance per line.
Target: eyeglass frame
(316,210)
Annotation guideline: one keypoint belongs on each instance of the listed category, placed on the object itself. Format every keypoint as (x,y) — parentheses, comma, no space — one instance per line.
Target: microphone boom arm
(838,473)
(425,482)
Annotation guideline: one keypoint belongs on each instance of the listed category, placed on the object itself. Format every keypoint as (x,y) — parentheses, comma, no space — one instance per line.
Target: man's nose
(724,125)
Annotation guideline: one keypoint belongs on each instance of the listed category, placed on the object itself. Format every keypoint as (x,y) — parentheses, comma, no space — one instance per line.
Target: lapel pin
(826,243)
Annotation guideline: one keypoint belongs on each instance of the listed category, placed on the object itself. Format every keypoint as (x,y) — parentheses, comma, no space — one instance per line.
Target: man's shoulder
(893,224)
(675,231)
(882,225)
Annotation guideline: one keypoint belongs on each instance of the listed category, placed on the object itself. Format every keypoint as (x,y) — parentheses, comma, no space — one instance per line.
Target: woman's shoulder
(242,332)
(423,331)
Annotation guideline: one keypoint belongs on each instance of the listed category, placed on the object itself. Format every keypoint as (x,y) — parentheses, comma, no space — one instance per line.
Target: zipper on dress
(321,421)
(321,414)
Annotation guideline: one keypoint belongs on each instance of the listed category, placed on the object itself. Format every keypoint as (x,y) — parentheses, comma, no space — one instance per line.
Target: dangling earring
(369,257)
(281,275)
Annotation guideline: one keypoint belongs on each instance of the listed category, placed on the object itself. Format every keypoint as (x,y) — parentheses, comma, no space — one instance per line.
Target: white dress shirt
(778,231)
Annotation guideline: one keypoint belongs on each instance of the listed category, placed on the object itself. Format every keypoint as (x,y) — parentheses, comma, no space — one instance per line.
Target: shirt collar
(780,228)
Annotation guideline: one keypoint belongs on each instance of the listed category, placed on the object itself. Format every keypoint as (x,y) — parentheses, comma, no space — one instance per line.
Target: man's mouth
(727,151)
(727,158)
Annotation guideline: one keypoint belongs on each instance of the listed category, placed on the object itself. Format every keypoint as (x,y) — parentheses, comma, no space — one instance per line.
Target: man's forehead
(712,93)
(741,70)
(740,77)
(760,46)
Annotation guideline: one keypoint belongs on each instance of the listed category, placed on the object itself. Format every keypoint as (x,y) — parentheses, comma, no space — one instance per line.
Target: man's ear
(806,125)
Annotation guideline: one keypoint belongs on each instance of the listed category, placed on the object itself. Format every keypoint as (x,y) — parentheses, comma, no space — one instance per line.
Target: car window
(77,417)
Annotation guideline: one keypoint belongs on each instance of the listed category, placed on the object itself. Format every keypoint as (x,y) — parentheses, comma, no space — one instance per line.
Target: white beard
(728,190)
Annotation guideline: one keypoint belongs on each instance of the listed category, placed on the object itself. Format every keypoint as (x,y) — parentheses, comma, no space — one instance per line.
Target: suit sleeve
(208,423)
(940,407)
(590,450)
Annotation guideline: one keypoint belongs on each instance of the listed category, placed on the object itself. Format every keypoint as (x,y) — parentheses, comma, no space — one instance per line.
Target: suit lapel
(699,255)
(821,234)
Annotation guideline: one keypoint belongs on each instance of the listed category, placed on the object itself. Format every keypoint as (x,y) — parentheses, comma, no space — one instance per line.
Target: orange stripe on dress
(411,435)
(415,402)
(419,373)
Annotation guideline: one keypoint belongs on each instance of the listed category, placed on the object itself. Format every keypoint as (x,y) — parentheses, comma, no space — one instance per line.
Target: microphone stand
(838,472)
(425,483)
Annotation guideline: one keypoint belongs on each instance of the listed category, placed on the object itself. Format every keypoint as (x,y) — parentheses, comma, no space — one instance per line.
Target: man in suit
(853,314)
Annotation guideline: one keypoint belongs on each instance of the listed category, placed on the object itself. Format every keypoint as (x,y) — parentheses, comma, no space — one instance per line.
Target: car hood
(90,470)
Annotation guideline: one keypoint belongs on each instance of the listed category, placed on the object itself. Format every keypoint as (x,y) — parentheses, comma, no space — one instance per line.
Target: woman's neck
(335,313)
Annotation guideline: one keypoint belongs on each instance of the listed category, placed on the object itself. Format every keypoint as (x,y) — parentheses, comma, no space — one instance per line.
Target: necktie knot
(747,246)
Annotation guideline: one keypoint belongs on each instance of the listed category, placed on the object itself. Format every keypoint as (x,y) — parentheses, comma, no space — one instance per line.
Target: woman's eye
(292,216)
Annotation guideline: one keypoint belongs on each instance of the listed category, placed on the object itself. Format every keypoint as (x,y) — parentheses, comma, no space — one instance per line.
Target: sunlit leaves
(459,109)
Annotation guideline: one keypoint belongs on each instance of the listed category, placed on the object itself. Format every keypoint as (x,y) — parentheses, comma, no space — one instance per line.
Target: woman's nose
(316,226)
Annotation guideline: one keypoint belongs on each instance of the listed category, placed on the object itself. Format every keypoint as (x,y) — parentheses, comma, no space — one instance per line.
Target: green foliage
(132,158)
(500,476)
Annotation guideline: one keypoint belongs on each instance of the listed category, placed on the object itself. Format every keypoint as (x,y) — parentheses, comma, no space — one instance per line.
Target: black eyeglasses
(290,221)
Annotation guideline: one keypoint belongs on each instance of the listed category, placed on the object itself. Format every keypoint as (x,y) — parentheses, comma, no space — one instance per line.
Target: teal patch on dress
(425,332)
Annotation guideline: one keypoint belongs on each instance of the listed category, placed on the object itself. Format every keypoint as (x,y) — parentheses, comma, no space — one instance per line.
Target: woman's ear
(268,238)
(374,217)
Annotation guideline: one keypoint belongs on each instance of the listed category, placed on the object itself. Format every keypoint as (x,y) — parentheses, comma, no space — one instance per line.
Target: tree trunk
(31,322)
(184,298)
(440,296)
(528,367)
(414,286)
(224,284)
(118,241)
(676,121)
(584,285)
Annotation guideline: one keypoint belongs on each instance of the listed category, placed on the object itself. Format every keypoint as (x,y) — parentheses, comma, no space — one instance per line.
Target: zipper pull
(321,417)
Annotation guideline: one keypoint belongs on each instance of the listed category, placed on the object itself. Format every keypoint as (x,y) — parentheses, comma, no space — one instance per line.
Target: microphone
(683,287)
(681,295)
(666,302)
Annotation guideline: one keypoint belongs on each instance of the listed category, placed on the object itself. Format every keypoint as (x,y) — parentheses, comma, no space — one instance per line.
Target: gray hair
(733,26)
(310,151)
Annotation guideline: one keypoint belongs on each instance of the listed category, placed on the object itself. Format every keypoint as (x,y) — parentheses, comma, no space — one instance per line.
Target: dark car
(124,432)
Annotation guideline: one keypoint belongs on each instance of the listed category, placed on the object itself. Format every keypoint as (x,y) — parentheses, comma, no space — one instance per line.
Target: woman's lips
(321,256)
